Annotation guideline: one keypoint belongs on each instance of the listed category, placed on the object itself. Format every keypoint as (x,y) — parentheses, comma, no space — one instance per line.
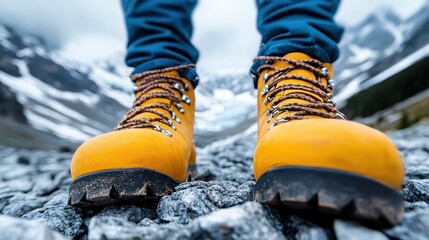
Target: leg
(298,26)
(159,33)
(308,157)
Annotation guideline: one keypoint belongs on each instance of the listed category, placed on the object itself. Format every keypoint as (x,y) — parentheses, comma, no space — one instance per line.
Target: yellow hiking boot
(309,158)
(150,151)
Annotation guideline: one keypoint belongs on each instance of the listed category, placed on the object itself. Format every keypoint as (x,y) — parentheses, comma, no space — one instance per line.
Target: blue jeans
(159,32)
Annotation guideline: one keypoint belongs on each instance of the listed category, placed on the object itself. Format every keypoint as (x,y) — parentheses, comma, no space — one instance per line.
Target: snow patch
(223,110)
(357,84)
(361,54)
(59,129)
(406,62)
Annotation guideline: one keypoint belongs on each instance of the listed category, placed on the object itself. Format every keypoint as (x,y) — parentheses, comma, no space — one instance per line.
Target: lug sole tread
(330,193)
(133,186)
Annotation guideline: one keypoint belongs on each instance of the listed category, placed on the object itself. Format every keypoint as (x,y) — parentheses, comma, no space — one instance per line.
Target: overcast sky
(225,30)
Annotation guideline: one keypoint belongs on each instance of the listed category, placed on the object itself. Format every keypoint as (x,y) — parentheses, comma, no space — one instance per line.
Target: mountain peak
(382,15)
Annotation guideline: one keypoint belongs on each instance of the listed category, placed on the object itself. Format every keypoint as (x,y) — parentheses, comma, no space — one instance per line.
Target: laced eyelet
(168,87)
(268,99)
(325,71)
(179,88)
(311,105)
(272,111)
(341,115)
(265,77)
(277,122)
(186,99)
(273,108)
(264,90)
(168,133)
(270,117)
(158,128)
(170,122)
(180,107)
(187,87)
(175,118)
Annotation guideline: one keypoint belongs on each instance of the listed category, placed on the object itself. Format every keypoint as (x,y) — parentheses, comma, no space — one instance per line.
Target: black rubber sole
(325,193)
(134,186)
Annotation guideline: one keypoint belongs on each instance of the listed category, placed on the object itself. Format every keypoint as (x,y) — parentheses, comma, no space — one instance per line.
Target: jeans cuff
(281,49)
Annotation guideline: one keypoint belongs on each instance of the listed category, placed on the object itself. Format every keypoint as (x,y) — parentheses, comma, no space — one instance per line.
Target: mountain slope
(378,48)
(58,97)
(74,101)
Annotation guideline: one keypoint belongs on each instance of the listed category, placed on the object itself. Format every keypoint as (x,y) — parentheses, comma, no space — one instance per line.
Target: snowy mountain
(43,94)
(379,47)
(70,101)
(225,106)
(74,101)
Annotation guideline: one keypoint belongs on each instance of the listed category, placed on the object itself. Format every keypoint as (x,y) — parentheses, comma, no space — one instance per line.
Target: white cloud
(225,33)
(88,48)
(59,21)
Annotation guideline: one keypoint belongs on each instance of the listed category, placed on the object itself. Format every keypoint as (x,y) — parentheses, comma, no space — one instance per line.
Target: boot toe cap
(133,148)
(333,144)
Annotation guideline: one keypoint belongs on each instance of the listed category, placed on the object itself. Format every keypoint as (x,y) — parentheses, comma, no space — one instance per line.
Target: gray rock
(346,230)
(11,172)
(59,197)
(64,219)
(19,204)
(5,200)
(105,228)
(247,221)
(413,144)
(14,186)
(416,206)
(146,222)
(297,228)
(35,183)
(15,228)
(45,184)
(49,182)
(199,198)
(416,168)
(228,160)
(129,212)
(415,226)
(417,190)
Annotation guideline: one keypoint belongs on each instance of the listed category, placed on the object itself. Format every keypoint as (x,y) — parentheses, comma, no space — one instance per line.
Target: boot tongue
(157,100)
(299,71)
(298,56)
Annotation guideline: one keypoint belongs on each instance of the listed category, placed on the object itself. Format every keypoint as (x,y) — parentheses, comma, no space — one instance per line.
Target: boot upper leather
(318,141)
(144,147)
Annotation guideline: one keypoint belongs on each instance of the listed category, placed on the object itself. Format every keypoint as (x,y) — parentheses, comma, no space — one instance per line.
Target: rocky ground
(34,185)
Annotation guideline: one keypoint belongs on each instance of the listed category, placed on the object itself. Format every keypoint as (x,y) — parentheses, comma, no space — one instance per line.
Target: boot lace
(301,110)
(168,87)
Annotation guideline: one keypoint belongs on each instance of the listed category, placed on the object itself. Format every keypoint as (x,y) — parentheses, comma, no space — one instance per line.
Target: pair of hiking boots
(308,157)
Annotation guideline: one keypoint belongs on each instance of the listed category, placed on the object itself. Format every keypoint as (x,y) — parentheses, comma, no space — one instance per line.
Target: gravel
(219,205)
